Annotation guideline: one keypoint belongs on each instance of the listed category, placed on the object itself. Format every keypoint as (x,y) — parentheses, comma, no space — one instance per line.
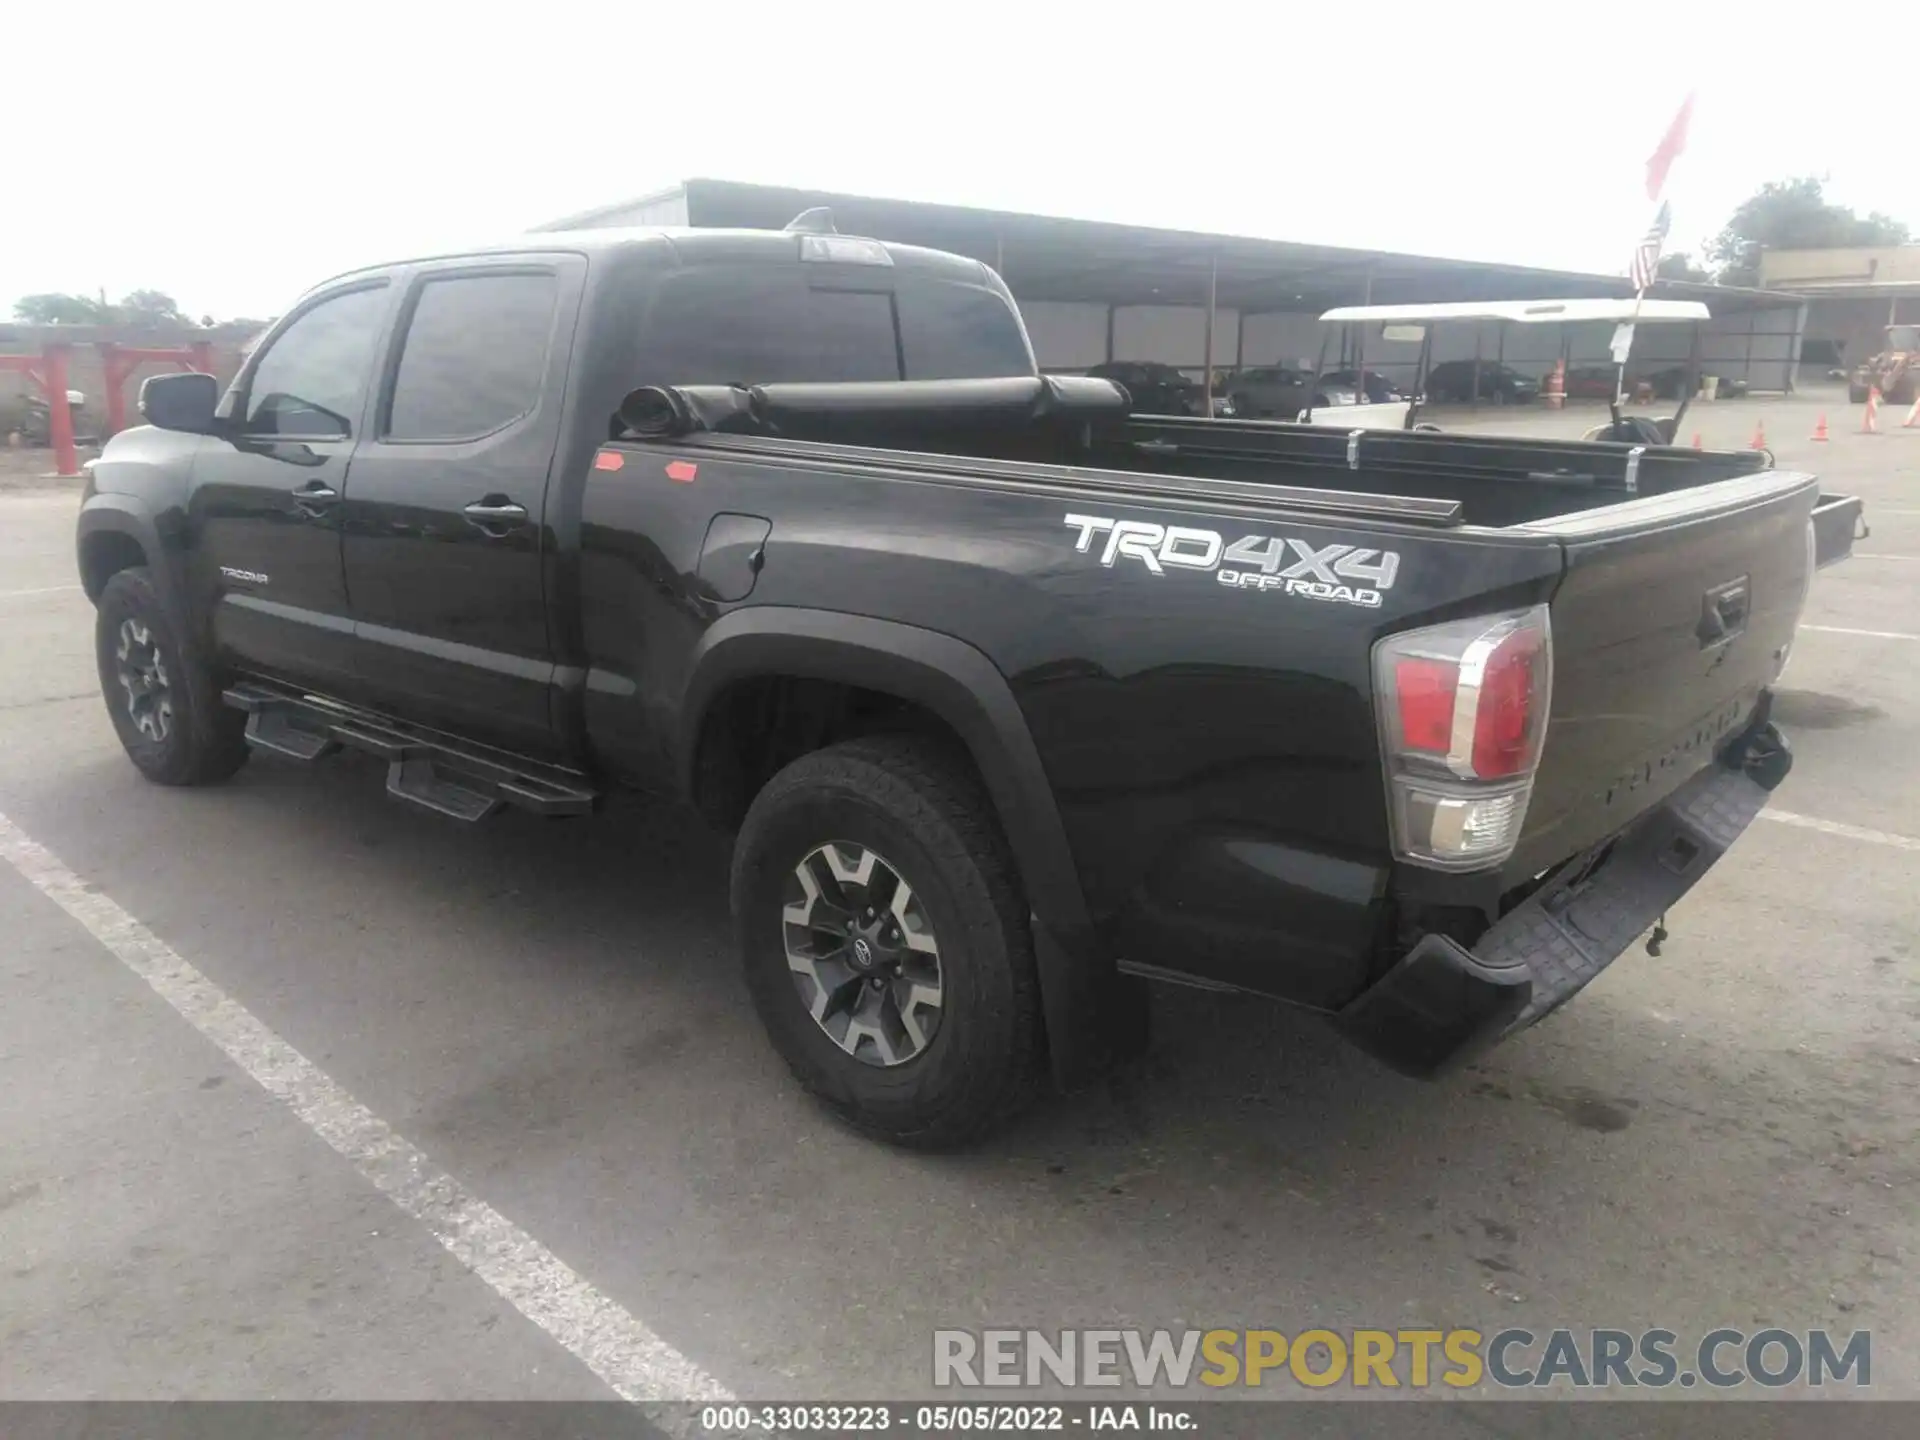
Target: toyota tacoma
(1008,696)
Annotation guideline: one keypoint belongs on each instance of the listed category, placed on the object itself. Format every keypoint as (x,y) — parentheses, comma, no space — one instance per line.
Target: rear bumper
(1442,1003)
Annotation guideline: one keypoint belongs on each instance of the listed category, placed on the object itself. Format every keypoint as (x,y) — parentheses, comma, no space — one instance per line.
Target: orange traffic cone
(1696,440)
(1820,430)
(1869,423)
(1912,422)
(1759,441)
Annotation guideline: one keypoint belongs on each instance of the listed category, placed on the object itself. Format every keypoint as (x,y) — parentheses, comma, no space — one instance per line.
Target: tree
(1680,266)
(52,308)
(151,307)
(139,307)
(1793,215)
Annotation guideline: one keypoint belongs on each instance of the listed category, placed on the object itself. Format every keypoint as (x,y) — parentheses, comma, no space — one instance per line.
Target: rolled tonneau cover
(1017,401)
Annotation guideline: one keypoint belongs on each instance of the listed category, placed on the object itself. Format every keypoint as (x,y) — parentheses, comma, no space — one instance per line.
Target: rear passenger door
(442,529)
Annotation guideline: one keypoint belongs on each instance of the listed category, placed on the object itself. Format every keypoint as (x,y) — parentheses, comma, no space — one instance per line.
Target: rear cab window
(771,323)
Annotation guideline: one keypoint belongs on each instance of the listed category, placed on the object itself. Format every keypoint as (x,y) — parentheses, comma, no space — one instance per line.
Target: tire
(918,810)
(1856,394)
(175,730)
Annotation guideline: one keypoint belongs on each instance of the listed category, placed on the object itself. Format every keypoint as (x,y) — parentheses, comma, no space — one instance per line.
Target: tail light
(1463,711)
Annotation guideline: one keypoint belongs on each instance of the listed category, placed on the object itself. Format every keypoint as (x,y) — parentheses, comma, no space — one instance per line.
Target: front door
(264,512)
(443,529)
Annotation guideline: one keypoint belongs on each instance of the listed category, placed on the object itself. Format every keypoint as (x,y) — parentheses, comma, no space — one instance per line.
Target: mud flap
(1095,1015)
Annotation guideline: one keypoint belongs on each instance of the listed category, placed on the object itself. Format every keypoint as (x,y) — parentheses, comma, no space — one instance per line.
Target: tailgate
(1675,612)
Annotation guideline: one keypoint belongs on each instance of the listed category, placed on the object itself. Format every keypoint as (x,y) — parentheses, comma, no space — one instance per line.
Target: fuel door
(732,554)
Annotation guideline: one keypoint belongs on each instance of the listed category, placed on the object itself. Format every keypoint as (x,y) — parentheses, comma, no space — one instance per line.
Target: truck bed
(1168,701)
(1080,430)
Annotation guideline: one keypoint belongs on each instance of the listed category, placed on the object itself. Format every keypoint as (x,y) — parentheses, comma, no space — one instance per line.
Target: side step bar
(436,772)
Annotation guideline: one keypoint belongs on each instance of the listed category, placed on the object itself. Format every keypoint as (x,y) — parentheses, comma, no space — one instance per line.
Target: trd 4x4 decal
(1345,574)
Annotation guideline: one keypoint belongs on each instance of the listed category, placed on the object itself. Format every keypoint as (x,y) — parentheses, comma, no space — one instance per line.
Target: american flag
(1646,259)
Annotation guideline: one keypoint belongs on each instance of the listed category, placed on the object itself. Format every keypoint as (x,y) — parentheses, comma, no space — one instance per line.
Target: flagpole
(1658,164)
(1620,382)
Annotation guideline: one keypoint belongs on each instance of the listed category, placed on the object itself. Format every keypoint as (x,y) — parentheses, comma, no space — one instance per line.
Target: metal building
(1092,291)
(1852,295)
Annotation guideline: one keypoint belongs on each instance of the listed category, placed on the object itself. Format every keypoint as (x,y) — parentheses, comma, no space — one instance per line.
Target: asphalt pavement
(548,1017)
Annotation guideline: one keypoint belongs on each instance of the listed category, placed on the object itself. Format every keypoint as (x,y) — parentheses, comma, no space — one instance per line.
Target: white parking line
(1863,555)
(1845,832)
(43,590)
(1870,634)
(636,1363)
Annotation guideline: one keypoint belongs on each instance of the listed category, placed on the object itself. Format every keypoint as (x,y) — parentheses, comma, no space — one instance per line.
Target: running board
(433,771)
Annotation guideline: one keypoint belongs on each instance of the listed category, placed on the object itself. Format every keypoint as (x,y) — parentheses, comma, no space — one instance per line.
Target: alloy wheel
(862,952)
(142,671)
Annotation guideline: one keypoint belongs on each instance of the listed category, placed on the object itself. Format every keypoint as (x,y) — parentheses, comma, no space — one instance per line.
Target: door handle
(314,497)
(495,514)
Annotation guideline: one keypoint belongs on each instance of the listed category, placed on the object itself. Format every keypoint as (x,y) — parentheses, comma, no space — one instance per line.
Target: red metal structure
(49,372)
(120,361)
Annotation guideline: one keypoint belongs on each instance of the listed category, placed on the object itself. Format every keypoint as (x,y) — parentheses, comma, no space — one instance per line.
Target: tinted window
(765,325)
(761,327)
(474,356)
(958,332)
(312,379)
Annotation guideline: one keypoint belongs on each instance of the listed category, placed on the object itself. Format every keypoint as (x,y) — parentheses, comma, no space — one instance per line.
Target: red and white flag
(1646,256)
(1671,144)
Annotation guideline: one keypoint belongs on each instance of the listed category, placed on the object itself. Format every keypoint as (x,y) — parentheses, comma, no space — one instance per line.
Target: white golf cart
(1350,408)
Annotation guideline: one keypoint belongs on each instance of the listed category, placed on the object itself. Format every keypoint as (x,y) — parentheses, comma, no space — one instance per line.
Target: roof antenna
(817,221)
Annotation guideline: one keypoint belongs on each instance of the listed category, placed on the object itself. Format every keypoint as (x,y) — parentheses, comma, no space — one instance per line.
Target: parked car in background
(1452,382)
(1592,382)
(1379,390)
(1601,382)
(1274,392)
(1668,384)
(1159,389)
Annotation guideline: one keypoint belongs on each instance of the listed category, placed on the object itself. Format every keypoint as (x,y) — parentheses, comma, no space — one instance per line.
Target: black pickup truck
(1009,696)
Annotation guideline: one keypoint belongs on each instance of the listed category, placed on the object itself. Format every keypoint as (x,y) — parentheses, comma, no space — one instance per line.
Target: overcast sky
(233,154)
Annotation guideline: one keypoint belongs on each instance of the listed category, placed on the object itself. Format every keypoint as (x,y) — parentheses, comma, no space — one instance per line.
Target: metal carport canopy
(1044,257)
(1527,312)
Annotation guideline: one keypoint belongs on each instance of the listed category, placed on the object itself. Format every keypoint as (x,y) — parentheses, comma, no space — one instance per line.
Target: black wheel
(1856,394)
(161,694)
(886,942)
